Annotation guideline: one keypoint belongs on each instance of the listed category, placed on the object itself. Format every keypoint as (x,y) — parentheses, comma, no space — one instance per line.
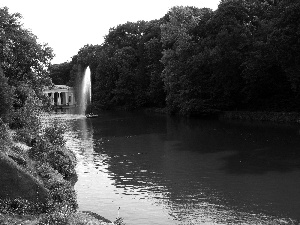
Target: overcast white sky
(67,25)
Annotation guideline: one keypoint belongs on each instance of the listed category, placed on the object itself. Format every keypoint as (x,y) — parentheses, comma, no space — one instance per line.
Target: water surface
(163,170)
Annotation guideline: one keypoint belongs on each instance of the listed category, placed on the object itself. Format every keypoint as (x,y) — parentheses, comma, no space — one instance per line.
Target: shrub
(19,206)
(6,93)
(55,218)
(23,135)
(27,111)
(63,161)
(40,150)
(61,192)
(54,134)
(58,157)
(4,134)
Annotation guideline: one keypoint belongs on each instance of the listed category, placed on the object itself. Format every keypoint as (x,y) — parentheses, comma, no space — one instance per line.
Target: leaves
(242,56)
(22,57)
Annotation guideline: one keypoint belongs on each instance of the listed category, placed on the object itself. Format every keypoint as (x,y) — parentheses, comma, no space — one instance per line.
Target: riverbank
(78,218)
(281,117)
(37,180)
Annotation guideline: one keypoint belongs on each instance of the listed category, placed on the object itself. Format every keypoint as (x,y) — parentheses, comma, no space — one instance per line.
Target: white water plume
(86,91)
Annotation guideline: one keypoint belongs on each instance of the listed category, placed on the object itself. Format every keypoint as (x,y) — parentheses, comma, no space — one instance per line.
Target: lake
(156,169)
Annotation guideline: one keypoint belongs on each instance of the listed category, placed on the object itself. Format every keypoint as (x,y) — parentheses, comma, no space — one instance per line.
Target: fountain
(86,92)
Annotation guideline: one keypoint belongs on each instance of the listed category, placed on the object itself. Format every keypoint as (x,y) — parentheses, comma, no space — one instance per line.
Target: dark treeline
(243,56)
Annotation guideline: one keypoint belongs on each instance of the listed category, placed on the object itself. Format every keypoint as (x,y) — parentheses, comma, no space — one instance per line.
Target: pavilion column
(72,99)
(66,98)
(58,98)
(52,98)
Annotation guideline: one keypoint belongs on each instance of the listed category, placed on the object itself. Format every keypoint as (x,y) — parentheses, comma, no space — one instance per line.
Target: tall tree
(285,39)
(179,45)
(60,73)
(22,58)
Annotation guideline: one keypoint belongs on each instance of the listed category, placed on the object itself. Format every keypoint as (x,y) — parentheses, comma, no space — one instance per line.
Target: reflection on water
(163,170)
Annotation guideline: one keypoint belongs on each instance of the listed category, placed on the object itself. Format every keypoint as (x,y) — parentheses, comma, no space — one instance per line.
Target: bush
(61,192)
(54,134)
(55,218)
(63,161)
(40,150)
(53,161)
(6,93)
(4,133)
(19,206)
(27,110)
(23,135)
(58,157)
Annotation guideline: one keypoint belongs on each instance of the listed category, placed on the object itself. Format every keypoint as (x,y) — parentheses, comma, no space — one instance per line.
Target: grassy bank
(282,117)
(35,178)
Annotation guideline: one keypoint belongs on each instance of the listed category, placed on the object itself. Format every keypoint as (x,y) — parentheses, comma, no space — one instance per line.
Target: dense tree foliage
(6,95)
(22,57)
(24,63)
(183,76)
(60,73)
(126,68)
(243,56)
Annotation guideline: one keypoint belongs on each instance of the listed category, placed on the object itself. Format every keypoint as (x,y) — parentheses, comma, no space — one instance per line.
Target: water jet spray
(86,92)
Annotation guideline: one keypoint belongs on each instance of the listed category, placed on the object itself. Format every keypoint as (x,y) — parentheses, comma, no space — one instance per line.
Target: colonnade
(61,95)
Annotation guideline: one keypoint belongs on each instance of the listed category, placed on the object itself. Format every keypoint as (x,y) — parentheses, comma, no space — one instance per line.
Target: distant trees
(60,73)
(242,56)
(126,68)
(271,59)
(183,77)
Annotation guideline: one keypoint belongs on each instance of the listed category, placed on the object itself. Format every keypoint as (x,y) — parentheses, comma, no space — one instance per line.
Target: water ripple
(156,180)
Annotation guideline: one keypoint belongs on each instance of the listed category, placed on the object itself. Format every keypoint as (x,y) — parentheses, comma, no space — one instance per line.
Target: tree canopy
(242,56)
(24,62)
